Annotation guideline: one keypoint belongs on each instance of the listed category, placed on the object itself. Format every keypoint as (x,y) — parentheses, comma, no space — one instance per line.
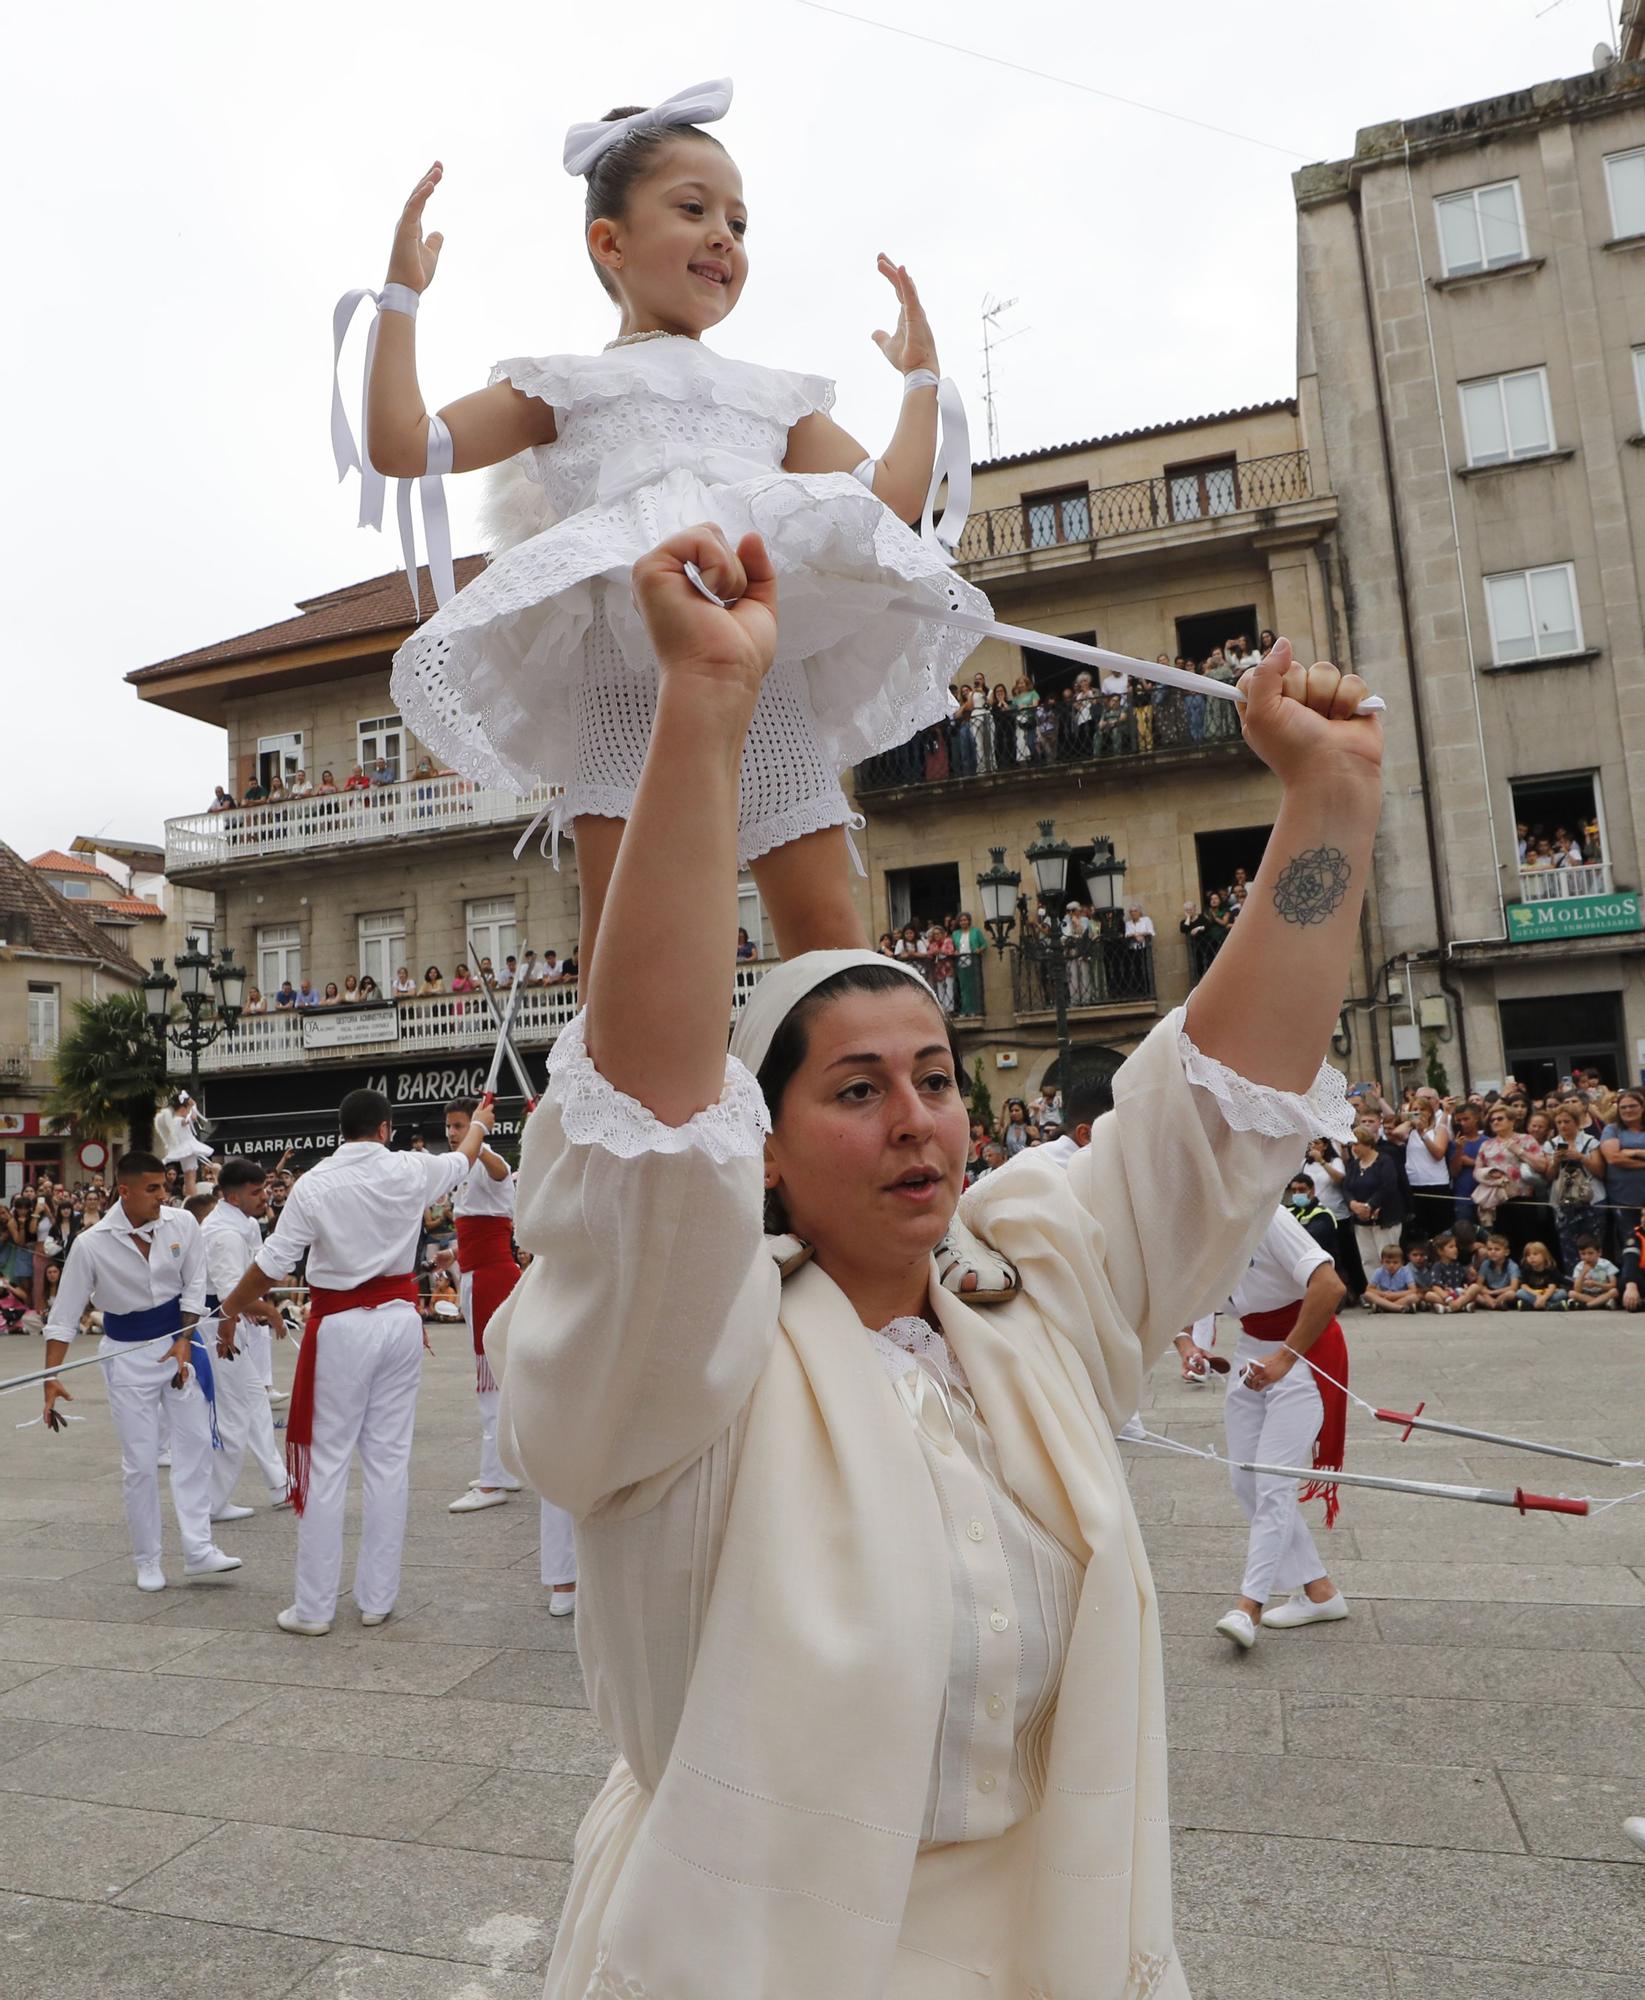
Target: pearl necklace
(633,339)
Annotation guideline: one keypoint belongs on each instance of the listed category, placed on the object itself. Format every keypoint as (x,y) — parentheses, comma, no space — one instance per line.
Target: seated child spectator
(442,1288)
(1540,1285)
(1594,1279)
(1452,1286)
(1392,1286)
(1419,1257)
(1498,1275)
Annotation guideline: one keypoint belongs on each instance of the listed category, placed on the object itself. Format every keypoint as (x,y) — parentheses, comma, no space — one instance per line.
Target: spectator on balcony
(299,787)
(509,973)
(306,995)
(747,950)
(287,995)
(1045,730)
(1002,719)
(405,986)
(275,790)
(1113,726)
(1139,928)
(326,787)
(222,801)
(255,1003)
(982,723)
(1025,704)
(433,982)
(1193,706)
(934,753)
(1085,715)
(381,774)
(1266,642)
(887,946)
(371,994)
(1144,696)
(969,943)
(962,740)
(255,793)
(357,781)
(908,942)
(557,969)
(351,989)
(1222,718)
(331,997)
(463,981)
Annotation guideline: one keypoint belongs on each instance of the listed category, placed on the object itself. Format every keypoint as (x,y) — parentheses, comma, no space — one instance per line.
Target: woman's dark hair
(790,1044)
(617,172)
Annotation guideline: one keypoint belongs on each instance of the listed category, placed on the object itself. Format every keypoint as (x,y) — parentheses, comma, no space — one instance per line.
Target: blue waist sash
(153,1322)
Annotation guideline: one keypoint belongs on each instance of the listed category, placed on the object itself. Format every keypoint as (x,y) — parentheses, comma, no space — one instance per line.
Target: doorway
(1199,635)
(923,896)
(1221,856)
(279,757)
(1544,1040)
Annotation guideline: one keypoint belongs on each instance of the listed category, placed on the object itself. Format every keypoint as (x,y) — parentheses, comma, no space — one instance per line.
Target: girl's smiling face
(677,257)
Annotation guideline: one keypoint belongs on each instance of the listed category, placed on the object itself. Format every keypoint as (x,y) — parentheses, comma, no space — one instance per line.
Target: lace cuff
(1275,1114)
(594,1112)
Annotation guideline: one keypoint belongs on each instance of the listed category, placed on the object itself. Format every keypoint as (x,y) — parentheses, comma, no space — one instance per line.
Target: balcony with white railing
(302,1037)
(411,810)
(1556,885)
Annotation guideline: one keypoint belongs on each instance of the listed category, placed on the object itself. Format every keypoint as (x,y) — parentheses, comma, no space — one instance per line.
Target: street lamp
(997,891)
(997,888)
(1104,877)
(205,989)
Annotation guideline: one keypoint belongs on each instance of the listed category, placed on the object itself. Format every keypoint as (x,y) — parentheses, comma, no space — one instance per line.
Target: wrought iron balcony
(956,978)
(1140,506)
(1100,972)
(410,810)
(1125,730)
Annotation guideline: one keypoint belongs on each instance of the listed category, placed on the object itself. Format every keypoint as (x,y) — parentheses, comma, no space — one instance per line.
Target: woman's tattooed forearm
(1312,886)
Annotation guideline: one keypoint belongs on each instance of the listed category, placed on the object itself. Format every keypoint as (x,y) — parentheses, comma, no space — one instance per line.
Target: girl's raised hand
(913,344)
(412,260)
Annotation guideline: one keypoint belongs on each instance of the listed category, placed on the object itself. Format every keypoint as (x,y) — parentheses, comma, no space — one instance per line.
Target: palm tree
(108,1076)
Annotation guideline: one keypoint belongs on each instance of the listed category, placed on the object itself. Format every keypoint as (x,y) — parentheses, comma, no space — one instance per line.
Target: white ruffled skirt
(540,672)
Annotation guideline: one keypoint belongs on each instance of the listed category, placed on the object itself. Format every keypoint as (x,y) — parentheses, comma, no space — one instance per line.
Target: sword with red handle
(1488,1496)
(489,1094)
(1414,1420)
(522,1076)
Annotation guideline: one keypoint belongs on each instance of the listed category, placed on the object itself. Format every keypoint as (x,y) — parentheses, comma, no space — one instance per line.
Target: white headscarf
(786,985)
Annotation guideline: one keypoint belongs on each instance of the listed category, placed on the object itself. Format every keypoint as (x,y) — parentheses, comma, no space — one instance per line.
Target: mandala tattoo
(1312,886)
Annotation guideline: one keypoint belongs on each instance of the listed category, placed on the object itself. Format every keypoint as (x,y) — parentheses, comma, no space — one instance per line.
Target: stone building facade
(1472,383)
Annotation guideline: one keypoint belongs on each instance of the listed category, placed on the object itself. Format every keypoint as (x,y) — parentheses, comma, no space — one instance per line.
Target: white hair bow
(701,104)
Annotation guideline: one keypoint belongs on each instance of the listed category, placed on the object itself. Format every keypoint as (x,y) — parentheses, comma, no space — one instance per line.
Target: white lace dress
(539,671)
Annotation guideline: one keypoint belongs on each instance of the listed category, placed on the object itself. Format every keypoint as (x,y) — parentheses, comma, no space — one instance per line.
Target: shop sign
(351,1028)
(1573,916)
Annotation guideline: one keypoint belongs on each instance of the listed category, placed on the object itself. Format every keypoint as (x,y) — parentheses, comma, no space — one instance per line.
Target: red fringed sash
(485,1254)
(300,1412)
(1331,1352)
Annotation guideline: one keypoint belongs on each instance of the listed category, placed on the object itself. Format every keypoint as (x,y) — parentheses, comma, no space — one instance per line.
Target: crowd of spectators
(1541,846)
(1499,1201)
(361,990)
(276,791)
(1205,926)
(1085,718)
(1108,953)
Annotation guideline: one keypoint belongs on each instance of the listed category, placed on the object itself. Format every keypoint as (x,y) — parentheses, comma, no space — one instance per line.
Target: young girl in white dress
(539,670)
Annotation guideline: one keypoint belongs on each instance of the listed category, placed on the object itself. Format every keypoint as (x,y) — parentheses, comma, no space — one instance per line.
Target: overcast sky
(193,185)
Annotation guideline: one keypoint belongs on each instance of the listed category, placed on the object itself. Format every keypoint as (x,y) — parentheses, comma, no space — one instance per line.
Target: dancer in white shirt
(245,1421)
(144,1266)
(484,1211)
(1275,1411)
(358,1214)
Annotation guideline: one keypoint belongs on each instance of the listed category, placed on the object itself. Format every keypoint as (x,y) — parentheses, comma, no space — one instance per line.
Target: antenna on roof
(992,308)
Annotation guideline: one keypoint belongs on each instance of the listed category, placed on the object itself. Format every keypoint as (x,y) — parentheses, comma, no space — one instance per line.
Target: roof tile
(34,917)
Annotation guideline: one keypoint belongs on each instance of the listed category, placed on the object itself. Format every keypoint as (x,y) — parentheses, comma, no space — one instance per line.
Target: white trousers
(1274,1426)
(491,1464)
(557,1544)
(368,1370)
(256,1345)
(139,1382)
(245,1422)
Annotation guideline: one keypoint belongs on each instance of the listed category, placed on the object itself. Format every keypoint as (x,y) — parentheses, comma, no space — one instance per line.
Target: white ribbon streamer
(352,457)
(700,104)
(953,463)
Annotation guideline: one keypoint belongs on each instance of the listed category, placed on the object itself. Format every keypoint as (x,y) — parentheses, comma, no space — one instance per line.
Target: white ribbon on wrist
(953,463)
(350,457)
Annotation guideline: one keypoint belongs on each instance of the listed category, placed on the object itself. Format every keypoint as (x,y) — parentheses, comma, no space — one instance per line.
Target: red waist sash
(1330,1350)
(485,1255)
(300,1412)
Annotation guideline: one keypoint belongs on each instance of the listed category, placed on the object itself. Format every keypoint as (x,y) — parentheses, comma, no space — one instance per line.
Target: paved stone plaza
(1423,1803)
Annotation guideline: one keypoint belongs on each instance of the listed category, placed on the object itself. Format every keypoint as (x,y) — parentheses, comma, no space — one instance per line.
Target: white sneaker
(504,1485)
(1635,1829)
(1302,1610)
(475,1499)
(233,1513)
(375,1617)
(305,1628)
(215,1563)
(150,1576)
(164,1461)
(562,1603)
(1236,1625)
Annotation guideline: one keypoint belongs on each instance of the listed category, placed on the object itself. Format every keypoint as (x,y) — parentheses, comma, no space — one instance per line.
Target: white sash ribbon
(953,464)
(351,457)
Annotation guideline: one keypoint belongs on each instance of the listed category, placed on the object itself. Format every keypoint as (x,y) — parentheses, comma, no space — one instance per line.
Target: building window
(1507,416)
(1481,228)
(1058,517)
(1625,178)
(43,1019)
(1639,383)
(1533,614)
(382,946)
(383,737)
(751,917)
(490,929)
(279,757)
(1559,837)
(279,958)
(1050,672)
(75,887)
(923,896)
(1199,491)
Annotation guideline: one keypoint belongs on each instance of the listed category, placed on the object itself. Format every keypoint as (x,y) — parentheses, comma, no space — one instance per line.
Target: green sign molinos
(1573,916)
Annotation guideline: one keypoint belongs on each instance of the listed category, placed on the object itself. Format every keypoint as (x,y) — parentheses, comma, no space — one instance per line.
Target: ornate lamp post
(205,989)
